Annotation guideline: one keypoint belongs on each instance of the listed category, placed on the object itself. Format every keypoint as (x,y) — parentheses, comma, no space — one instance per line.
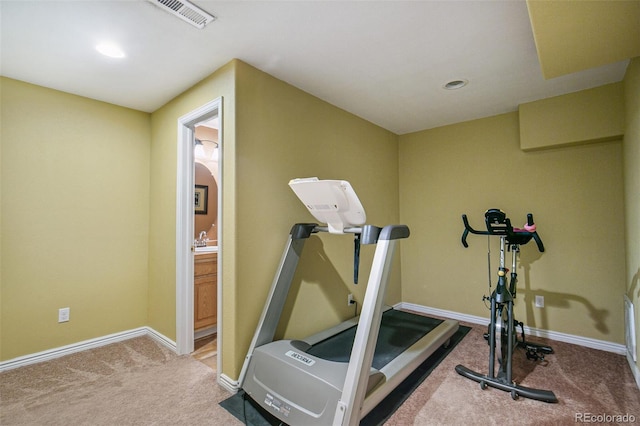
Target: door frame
(185,249)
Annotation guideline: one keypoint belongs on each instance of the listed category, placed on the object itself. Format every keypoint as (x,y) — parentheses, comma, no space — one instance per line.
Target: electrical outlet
(539,301)
(350,300)
(63,314)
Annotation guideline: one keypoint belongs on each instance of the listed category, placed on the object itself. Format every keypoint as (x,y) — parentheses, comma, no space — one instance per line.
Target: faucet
(201,240)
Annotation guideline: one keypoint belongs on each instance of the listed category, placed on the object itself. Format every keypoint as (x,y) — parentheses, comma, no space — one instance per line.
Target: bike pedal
(534,356)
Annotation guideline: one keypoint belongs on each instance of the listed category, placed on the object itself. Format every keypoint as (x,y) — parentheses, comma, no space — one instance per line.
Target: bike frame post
(492,339)
(502,239)
(510,340)
(515,251)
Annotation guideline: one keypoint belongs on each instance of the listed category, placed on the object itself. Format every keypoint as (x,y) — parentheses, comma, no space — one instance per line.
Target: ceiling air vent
(186,11)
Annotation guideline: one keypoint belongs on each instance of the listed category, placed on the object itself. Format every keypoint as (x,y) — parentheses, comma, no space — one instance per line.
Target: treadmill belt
(398,331)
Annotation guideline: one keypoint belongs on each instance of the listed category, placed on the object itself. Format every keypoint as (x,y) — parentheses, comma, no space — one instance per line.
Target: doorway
(189,200)
(205,236)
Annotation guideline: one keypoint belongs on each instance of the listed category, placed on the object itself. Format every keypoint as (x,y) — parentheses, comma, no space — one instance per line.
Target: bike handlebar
(499,224)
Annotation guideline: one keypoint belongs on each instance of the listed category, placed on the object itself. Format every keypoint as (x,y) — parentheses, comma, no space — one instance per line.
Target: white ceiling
(385,61)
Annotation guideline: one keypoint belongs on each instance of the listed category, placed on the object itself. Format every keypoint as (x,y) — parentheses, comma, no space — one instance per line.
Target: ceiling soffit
(572,36)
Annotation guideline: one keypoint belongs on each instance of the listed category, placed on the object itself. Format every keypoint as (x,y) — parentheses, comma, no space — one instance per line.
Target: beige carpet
(138,382)
(586,382)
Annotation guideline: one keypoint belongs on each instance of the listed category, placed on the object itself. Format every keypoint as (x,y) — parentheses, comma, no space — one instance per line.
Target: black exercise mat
(248,412)
(251,414)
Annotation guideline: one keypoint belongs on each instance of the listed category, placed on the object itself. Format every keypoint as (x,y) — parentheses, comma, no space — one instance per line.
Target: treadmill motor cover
(315,384)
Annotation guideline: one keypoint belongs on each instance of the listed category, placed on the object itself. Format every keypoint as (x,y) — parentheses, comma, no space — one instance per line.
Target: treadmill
(337,376)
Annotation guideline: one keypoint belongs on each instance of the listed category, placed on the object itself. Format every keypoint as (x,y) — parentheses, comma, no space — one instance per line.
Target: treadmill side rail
(278,293)
(404,364)
(348,412)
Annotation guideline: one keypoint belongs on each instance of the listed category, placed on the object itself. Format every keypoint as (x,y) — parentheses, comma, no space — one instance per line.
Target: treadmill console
(333,202)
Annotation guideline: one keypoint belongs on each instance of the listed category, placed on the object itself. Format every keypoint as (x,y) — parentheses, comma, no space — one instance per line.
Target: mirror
(206,157)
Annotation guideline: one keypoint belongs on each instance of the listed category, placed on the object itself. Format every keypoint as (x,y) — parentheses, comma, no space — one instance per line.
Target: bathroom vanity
(205,290)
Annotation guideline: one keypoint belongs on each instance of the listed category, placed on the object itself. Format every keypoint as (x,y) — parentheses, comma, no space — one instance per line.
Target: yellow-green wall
(593,115)
(284,133)
(575,194)
(162,223)
(631,152)
(75,214)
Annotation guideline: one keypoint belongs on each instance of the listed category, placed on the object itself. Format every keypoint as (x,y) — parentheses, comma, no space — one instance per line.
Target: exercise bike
(502,334)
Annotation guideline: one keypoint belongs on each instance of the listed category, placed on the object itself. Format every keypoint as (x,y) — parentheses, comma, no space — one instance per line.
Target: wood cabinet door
(205,291)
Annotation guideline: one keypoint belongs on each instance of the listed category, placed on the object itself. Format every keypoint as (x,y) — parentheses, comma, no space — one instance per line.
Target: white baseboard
(553,335)
(233,385)
(85,345)
(162,339)
(228,383)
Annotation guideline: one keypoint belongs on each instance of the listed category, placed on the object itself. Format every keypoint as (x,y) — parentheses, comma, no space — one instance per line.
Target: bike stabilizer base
(516,390)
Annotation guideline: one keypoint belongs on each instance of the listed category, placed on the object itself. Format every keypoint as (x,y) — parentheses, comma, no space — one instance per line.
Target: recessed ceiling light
(111,50)
(455,84)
